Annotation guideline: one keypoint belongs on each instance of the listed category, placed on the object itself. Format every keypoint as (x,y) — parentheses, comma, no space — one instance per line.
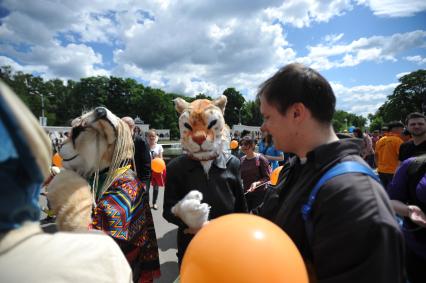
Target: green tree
(202,96)
(234,106)
(408,96)
(342,120)
(251,113)
(376,122)
(56,102)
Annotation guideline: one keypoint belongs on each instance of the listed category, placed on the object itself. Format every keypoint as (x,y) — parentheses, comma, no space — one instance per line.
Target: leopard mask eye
(188,126)
(212,123)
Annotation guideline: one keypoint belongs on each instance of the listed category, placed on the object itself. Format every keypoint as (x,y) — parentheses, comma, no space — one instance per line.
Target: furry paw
(196,195)
(190,209)
(70,199)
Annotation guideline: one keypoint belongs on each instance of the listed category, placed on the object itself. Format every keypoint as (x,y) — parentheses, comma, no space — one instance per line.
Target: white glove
(192,212)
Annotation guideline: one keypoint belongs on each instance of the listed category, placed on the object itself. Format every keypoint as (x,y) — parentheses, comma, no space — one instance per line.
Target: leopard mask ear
(180,105)
(221,102)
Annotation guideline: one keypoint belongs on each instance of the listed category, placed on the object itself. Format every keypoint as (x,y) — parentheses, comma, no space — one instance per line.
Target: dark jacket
(142,159)
(409,149)
(222,189)
(355,235)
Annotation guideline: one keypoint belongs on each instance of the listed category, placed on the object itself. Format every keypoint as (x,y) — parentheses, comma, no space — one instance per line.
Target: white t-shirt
(156,150)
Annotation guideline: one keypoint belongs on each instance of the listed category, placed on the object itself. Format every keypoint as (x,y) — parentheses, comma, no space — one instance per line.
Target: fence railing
(171,150)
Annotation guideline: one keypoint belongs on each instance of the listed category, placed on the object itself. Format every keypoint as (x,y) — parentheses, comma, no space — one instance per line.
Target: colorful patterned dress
(123,213)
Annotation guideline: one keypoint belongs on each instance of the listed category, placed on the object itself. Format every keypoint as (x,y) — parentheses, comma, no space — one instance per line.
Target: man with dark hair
(387,152)
(142,156)
(416,126)
(352,236)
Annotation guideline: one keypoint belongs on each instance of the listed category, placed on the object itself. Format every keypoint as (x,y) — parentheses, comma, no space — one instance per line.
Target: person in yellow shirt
(387,152)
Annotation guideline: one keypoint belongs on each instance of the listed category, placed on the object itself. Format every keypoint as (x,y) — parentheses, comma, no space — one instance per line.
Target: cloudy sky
(191,47)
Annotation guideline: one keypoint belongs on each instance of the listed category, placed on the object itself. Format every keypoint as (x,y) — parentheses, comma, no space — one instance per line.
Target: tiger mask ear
(221,102)
(180,105)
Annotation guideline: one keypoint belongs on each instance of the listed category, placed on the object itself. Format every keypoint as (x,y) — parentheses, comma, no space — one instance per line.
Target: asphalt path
(166,239)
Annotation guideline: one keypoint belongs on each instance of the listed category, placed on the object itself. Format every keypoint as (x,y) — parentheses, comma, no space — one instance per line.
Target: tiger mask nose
(199,138)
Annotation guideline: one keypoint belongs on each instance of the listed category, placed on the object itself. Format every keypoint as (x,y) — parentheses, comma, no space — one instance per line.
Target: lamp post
(42,119)
(42,105)
(346,124)
(239,115)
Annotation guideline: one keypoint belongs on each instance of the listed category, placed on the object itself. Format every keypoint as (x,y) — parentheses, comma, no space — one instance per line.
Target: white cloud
(332,38)
(209,53)
(416,59)
(303,12)
(73,61)
(395,8)
(5,61)
(192,46)
(399,75)
(374,48)
(363,99)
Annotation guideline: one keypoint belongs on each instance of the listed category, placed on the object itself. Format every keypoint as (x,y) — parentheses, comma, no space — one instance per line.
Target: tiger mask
(204,134)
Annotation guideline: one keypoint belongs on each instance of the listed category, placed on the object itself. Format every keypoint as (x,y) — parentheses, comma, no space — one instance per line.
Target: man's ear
(298,112)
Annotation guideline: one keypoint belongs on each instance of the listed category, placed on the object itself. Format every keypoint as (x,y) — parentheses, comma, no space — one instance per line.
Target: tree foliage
(409,96)
(234,106)
(342,120)
(126,97)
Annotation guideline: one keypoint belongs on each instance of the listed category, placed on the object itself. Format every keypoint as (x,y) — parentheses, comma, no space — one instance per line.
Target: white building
(254,131)
(163,134)
(141,125)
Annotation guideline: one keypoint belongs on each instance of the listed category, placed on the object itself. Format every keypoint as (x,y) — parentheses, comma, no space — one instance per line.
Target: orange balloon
(233,144)
(275,174)
(57,160)
(242,248)
(158,165)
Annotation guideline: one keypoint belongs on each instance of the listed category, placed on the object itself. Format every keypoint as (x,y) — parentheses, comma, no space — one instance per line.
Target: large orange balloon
(275,174)
(242,248)
(158,165)
(233,144)
(57,160)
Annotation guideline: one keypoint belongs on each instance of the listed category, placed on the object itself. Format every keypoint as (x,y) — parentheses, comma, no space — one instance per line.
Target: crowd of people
(348,225)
